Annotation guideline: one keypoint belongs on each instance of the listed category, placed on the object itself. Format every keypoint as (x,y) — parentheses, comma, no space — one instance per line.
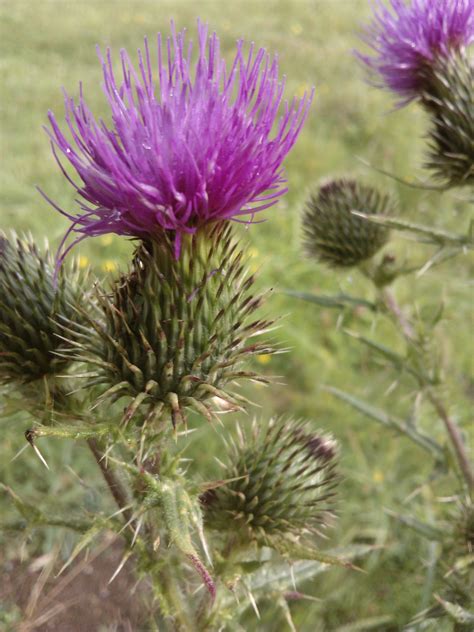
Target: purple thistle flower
(410,38)
(189,145)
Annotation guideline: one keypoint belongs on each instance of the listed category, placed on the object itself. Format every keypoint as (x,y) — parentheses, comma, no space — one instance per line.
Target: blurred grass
(47,45)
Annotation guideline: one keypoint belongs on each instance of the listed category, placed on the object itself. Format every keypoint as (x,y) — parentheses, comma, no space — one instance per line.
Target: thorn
(120,566)
(121,510)
(137,530)
(202,537)
(29,436)
(20,451)
(127,524)
(254,604)
(185,433)
(292,572)
(223,465)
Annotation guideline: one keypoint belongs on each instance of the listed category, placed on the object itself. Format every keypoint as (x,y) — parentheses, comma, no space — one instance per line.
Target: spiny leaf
(431,235)
(179,520)
(77,432)
(84,542)
(400,362)
(337,301)
(426,530)
(456,612)
(389,421)
(378,623)
(300,551)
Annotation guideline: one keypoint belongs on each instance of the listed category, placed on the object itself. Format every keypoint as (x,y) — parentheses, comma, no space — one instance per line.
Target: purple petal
(188,143)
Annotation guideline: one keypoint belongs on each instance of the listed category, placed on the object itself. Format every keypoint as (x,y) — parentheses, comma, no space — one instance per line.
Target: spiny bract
(333,234)
(450,101)
(174,331)
(285,478)
(32,308)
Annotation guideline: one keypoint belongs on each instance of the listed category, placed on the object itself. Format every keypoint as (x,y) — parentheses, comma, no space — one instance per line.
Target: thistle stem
(456,439)
(116,487)
(451,427)
(393,307)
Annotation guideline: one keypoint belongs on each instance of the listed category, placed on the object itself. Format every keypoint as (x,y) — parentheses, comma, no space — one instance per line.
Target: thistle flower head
(173,333)
(333,234)
(284,479)
(408,37)
(451,135)
(31,310)
(189,143)
(462,535)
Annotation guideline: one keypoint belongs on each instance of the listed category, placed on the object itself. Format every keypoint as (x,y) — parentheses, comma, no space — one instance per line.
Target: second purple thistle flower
(190,143)
(408,37)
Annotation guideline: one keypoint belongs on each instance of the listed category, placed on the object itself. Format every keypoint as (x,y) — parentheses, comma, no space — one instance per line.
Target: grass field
(50,44)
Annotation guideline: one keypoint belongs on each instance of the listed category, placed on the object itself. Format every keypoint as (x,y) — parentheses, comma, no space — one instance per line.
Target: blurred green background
(48,45)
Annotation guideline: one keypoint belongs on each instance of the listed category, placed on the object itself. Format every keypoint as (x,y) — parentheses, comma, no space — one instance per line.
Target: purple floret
(190,143)
(410,36)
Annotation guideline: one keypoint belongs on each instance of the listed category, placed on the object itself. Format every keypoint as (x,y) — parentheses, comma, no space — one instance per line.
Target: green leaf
(180,516)
(456,612)
(83,543)
(34,516)
(297,550)
(280,578)
(29,512)
(426,530)
(337,301)
(432,235)
(389,421)
(377,623)
(396,359)
(75,431)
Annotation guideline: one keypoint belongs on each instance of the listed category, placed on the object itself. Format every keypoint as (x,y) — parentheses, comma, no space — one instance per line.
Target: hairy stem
(456,439)
(451,427)
(393,307)
(116,487)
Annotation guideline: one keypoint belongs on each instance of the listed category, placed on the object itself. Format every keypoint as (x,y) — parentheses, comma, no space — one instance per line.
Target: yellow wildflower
(109,265)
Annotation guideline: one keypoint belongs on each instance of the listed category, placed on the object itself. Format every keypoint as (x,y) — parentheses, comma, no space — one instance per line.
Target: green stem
(456,439)
(392,306)
(451,427)
(81,526)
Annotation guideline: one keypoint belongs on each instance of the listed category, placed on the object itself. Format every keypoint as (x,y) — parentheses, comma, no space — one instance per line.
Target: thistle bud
(333,234)
(283,480)
(463,536)
(175,330)
(32,305)
(449,100)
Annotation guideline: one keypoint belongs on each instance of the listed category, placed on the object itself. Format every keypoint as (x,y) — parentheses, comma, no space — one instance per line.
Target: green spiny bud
(31,308)
(463,536)
(333,234)
(450,102)
(283,479)
(175,330)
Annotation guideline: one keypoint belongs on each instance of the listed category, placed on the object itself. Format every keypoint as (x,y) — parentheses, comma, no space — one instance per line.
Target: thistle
(410,39)
(284,481)
(333,234)
(31,308)
(190,144)
(462,536)
(174,331)
(450,103)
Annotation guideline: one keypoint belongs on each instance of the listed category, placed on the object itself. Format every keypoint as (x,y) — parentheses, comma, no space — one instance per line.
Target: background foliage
(51,44)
